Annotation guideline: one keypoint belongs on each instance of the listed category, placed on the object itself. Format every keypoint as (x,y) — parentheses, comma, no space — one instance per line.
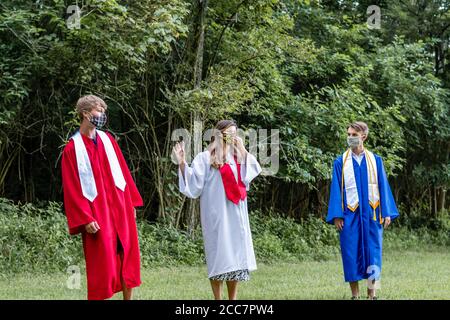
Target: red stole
(234,190)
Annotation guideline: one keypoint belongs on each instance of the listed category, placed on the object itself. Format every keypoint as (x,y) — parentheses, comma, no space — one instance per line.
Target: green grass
(421,274)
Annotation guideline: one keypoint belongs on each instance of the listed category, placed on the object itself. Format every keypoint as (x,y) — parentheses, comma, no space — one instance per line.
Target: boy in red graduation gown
(100,197)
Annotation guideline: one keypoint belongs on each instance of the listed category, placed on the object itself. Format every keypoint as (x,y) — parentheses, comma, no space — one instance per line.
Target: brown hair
(87,103)
(360,127)
(217,160)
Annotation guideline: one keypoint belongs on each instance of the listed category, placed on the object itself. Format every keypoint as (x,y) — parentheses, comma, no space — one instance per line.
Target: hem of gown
(250,269)
(357,279)
(138,204)
(393,217)
(77,229)
(331,220)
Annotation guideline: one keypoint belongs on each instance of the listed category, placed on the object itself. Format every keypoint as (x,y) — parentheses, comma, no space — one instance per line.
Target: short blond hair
(360,127)
(88,102)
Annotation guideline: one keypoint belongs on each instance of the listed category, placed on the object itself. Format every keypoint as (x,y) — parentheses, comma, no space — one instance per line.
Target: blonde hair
(360,127)
(215,148)
(87,103)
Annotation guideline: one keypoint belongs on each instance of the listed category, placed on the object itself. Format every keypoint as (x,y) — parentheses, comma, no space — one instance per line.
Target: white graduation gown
(225,225)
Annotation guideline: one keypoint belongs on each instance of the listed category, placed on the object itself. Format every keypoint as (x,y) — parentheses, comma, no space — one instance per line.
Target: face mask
(353,142)
(99,121)
(228,138)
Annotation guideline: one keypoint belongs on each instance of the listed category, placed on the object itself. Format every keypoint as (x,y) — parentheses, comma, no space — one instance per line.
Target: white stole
(85,173)
(349,182)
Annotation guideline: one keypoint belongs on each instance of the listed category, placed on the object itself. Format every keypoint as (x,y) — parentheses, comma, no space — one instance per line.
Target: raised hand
(178,150)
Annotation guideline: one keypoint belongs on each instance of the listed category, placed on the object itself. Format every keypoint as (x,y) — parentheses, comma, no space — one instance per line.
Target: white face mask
(353,142)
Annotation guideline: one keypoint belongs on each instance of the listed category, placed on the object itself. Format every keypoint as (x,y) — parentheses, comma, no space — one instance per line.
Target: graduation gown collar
(86,176)
(348,181)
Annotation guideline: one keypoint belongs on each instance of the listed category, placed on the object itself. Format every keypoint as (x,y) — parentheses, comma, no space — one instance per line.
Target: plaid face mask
(99,121)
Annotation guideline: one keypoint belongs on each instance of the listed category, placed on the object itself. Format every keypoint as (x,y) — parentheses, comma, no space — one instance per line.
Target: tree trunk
(441,199)
(193,205)
(435,201)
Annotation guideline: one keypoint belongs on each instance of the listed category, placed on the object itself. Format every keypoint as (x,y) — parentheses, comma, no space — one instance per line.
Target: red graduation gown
(113,209)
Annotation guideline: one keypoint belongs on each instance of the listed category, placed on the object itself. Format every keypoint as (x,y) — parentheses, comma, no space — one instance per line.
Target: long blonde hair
(215,148)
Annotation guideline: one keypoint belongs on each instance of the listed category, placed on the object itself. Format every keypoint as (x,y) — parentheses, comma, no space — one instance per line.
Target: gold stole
(351,191)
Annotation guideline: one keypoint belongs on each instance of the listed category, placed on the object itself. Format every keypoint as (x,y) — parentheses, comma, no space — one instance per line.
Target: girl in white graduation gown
(220,176)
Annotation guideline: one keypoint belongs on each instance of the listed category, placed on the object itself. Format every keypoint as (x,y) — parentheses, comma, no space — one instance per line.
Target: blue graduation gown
(361,237)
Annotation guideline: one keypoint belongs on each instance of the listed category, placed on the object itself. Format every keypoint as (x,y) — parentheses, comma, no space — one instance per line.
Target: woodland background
(307,68)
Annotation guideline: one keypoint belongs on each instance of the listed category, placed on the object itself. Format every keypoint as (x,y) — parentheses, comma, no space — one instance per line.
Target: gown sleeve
(191,185)
(335,202)
(250,170)
(387,202)
(77,207)
(135,195)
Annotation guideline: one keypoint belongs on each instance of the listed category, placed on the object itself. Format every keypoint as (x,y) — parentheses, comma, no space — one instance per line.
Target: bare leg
(127,292)
(217,289)
(371,288)
(355,288)
(232,289)
(371,293)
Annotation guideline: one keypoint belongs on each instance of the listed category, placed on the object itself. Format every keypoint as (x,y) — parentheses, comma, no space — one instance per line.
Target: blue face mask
(99,121)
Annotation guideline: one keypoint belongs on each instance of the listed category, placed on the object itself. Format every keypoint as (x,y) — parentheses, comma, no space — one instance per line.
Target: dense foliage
(306,68)
(34,238)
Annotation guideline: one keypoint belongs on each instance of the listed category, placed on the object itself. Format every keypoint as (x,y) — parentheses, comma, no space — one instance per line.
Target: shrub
(34,237)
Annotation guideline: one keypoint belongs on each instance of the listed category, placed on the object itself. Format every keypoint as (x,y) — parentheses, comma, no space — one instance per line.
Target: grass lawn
(408,274)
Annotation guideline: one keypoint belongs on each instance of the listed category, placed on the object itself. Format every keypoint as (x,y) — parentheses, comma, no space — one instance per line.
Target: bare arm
(178,150)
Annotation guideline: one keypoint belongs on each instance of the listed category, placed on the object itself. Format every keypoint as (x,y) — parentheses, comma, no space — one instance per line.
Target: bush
(311,239)
(35,238)
(165,245)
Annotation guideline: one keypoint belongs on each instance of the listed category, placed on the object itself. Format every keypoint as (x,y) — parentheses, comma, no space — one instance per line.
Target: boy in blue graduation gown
(361,205)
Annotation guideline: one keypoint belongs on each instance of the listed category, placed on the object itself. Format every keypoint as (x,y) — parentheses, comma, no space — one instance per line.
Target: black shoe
(354,298)
(373,298)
